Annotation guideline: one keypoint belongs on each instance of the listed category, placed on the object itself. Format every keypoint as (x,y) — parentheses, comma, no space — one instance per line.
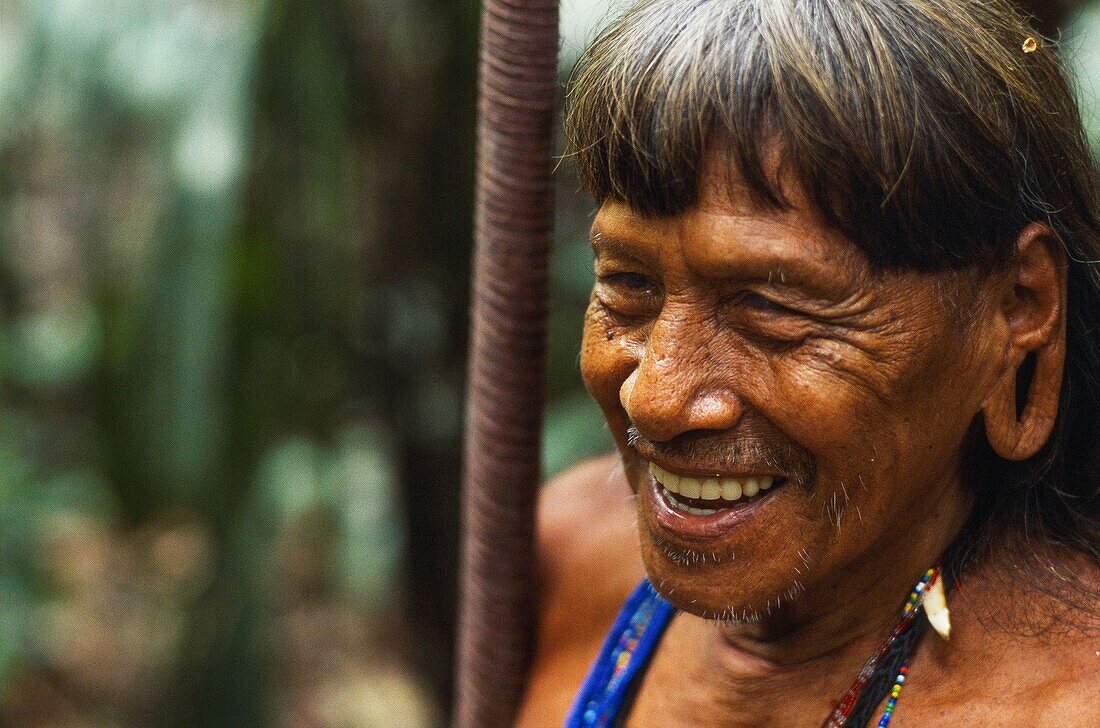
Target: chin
(727,586)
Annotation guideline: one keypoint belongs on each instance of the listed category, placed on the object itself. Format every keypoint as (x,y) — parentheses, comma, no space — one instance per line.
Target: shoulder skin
(589,562)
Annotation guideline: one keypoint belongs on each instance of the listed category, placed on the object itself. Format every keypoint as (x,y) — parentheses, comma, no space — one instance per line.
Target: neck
(753,675)
(814,648)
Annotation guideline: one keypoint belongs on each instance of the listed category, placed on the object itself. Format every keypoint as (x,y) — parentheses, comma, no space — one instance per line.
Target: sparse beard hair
(689,557)
(736,616)
(729,614)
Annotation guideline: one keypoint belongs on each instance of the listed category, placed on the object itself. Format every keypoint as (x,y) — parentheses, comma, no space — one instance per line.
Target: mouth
(705,508)
(706,496)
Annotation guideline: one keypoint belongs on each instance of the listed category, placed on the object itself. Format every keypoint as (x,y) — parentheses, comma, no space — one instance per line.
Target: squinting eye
(758,303)
(633,281)
(762,318)
(629,294)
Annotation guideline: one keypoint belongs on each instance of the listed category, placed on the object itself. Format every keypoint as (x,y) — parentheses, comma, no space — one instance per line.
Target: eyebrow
(784,268)
(604,243)
(787,270)
(774,266)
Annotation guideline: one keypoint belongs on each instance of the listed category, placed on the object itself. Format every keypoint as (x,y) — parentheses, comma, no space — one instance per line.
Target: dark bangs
(921,129)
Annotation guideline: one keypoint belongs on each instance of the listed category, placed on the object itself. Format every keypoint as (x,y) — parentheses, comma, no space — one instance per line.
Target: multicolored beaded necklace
(847,704)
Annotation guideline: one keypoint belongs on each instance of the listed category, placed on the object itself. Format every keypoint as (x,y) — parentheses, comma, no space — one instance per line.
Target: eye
(631,281)
(756,302)
(628,293)
(761,317)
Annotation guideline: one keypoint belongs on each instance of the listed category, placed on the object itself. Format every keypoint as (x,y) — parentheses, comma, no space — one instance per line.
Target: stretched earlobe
(1035,315)
(1019,438)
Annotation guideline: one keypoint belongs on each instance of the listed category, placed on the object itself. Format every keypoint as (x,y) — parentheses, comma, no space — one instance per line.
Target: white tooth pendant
(935,606)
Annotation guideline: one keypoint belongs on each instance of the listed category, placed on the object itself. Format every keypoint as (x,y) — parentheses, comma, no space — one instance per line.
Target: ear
(1032,310)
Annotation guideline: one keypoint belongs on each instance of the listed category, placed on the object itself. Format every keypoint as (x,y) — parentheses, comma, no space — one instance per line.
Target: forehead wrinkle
(733,233)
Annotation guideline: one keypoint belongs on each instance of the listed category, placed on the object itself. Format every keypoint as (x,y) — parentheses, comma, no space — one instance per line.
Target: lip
(696,472)
(695,530)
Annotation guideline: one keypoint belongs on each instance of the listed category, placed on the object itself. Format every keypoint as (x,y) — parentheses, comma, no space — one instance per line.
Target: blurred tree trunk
(419,63)
(365,108)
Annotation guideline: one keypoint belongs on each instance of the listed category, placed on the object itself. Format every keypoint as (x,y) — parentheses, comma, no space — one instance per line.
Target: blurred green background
(234,247)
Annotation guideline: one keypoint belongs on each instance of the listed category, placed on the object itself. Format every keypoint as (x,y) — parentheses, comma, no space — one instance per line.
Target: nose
(677,388)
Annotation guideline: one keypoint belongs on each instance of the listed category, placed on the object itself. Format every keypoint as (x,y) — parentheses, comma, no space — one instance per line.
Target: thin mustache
(723,453)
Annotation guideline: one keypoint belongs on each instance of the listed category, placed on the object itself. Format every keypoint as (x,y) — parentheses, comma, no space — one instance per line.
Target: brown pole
(513,232)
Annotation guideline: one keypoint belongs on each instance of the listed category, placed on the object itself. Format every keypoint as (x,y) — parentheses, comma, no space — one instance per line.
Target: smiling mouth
(708,496)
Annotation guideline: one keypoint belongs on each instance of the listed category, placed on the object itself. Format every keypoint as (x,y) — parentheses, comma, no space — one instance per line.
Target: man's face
(790,419)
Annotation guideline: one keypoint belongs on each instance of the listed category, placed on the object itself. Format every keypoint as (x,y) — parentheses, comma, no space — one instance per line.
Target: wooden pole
(513,235)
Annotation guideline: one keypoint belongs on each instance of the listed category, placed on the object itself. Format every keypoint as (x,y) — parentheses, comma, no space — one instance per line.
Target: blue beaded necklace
(608,690)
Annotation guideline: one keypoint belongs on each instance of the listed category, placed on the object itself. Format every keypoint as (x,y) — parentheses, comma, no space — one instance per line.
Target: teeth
(689,509)
(691,487)
(731,489)
(724,489)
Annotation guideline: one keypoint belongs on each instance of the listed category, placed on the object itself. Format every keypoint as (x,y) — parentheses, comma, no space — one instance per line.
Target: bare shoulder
(1053,682)
(588,564)
(1071,695)
(588,548)
(1027,657)
(1064,661)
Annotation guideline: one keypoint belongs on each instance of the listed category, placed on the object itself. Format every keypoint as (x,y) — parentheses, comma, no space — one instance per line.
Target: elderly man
(845,332)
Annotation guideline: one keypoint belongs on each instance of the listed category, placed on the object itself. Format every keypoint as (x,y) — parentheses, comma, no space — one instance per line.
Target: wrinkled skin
(737,340)
(687,339)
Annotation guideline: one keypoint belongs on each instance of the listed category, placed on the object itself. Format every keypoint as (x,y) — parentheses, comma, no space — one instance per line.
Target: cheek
(606,360)
(875,416)
(850,433)
(838,397)
(605,363)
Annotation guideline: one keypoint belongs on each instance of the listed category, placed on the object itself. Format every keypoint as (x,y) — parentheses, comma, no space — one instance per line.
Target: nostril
(667,410)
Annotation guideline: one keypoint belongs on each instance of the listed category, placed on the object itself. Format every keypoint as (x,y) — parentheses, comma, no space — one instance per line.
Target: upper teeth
(729,489)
